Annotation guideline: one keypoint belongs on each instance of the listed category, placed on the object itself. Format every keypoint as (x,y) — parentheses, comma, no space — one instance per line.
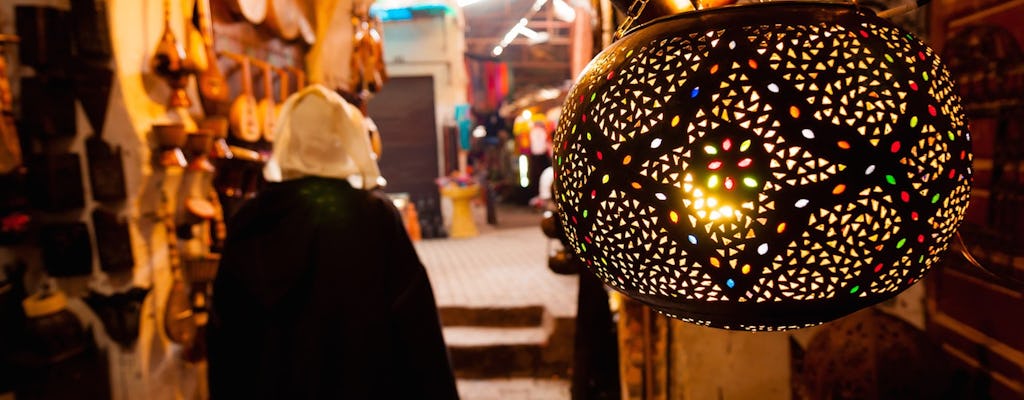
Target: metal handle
(966,253)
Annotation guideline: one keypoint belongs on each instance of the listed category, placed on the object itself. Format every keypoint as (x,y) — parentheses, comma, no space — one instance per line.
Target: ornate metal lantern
(762,167)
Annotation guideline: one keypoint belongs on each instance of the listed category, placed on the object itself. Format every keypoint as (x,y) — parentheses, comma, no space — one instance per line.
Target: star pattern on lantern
(765,164)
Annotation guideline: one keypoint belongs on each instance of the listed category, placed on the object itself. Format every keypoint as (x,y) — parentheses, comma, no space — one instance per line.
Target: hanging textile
(489,82)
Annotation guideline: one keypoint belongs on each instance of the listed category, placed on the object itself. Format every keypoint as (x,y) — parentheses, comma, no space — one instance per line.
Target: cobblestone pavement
(501,267)
(504,266)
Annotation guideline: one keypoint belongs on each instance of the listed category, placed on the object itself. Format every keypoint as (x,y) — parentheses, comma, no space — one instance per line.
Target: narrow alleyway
(508,319)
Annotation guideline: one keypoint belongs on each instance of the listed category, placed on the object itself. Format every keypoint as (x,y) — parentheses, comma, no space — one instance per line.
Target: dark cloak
(320,294)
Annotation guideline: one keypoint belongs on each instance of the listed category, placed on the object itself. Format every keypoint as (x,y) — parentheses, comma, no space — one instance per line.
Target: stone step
(514,389)
(496,316)
(477,336)
(479,352)
(489,352)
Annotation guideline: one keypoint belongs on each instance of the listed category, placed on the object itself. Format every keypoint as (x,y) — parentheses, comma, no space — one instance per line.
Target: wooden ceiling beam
(535,24)
(539,64)
(520,41)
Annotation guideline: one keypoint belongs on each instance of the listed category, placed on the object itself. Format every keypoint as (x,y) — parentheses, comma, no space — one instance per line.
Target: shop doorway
(404,112)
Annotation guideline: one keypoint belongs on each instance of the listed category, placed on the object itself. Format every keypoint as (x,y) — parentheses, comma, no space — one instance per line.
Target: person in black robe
(320,293)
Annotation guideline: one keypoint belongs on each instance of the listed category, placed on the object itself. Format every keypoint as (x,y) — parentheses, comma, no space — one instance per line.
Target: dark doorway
(404,112)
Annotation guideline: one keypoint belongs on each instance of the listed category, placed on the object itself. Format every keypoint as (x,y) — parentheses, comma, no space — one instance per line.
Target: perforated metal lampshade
(762,167)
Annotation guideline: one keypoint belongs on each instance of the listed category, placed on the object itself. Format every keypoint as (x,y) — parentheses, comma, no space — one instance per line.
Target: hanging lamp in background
(762,167)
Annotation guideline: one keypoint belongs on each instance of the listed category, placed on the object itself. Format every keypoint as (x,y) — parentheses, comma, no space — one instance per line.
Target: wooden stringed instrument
(194,45)
(179,322)
(245,123)
(300,78)
(378,64)
(284,82)
(267,109)
(283,18)
(10,145)
(306,30)
(213,86)
(254,11)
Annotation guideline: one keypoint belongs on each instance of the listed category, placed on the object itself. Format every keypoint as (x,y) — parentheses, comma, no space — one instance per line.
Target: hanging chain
(634,11)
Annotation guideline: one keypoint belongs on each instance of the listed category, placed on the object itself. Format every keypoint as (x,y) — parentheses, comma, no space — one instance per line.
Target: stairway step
(485,352)
(503,316)
(514,389)
(475,336)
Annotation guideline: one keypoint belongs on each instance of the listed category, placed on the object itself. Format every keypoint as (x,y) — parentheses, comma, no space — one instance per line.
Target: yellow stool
(463,225)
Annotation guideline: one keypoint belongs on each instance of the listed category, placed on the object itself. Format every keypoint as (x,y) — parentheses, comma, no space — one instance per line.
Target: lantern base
(775,316)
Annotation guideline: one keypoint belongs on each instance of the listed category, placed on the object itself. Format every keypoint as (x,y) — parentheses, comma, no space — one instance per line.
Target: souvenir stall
(533,117)
(131,130)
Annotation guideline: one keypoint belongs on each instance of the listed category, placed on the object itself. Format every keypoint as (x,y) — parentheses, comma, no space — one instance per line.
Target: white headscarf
(320,134)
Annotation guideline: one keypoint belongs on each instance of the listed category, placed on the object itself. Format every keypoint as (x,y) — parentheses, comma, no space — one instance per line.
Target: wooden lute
(300,78)
(267,109)
(213,86)
(378,64)
(245,123)
(179,322)
(284,82)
